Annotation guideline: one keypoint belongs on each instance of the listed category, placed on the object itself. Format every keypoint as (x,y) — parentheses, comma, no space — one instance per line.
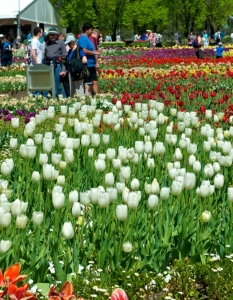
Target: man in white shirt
(36,47)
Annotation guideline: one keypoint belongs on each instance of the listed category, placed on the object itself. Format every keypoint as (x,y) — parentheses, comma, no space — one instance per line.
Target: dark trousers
(6,60)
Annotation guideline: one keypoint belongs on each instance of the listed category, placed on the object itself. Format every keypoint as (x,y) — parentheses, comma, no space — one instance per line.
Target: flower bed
(96,190)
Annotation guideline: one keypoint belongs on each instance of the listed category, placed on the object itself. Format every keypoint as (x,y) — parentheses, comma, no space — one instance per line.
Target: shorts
(92,75)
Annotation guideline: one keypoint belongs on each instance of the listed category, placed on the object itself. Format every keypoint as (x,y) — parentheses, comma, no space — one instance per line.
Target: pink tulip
(119,294)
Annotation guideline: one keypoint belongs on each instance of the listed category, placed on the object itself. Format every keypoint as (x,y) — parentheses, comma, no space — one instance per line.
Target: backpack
(195,43)
(6,46)
(78,70)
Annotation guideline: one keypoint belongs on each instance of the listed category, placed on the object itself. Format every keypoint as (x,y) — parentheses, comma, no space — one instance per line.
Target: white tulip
(73,196)
(56,158)
(5,219)
(15,122)
(69,155)
(29,129)
(37,218)
(153,201)
(35,176)
(95,139)
(76,209)
(209,170)
(61,179)
(218,181)
(43,159)
(189,181)
(122,212)
(67,230)
(5,169)
(85,198)
(31,151)
(110,153)
(4,246)
(38,138)
(192,148)
(16,208)
(127,247)
(21,221)
(206,146)
(230,194)
(59,127)
(159,148)
(172,172)
(122,153)
(139,147)
(206,215)
(58,200)
(100,165)
(134,184)
(132,200)
(63,109)
(13,143)
(150,163)
(112,193)
(216,167)
(196,166)
(125,172)
(103,199)
(155,187)
(120,186)
(148,147)
(109,179)
(176,187)
(106,139)
(62,164)
(178,154)
(164,193)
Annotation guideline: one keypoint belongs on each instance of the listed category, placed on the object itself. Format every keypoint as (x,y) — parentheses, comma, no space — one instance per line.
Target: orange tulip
(20,293)
(64,294)
(119,294)
(11,275)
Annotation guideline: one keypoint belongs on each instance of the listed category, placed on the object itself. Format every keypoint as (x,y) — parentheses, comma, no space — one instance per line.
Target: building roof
(11,7)
(37,11)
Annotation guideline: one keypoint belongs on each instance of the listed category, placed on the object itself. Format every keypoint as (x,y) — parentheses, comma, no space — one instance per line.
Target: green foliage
(112,15)
(112,44)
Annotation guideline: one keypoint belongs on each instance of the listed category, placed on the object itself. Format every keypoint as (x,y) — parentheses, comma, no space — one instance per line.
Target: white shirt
(36,45)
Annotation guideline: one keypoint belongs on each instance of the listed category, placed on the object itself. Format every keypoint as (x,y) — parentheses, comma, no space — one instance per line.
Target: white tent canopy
(36,11)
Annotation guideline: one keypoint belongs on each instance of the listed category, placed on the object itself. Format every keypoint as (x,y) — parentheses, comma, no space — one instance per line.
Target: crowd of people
(154,39)
(75,60)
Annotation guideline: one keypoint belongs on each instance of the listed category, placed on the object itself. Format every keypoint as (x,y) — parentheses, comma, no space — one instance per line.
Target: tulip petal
(54,298)
(1,278)
(12,273)
(67,289)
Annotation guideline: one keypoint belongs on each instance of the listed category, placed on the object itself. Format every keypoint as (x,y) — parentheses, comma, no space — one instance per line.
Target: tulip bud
(21,221)
(127,247)
(100,165)
(35,176)
(116,163)
(76,209)
(37,217)
(109,179)
(13,143)
(58,200)
(153,201)
(73,196)
(155,187)
(122,212)
(61,179)
(110,153)
(218,181)
(4,246)
(103,199)
(125,173)
(206,215)
(85,198)
(5,219)
(67,230)
(120,186)
(230,194)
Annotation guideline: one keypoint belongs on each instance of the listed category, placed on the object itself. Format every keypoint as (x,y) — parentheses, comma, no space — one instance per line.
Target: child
(219,50)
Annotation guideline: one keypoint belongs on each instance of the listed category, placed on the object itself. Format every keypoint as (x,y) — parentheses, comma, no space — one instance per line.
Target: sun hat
(70,38)
(220,43)
(52,31)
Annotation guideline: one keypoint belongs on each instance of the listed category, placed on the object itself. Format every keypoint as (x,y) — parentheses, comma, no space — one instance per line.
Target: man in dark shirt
(55,52)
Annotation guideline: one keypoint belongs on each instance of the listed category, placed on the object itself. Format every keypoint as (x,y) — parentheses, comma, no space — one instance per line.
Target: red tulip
(119,294)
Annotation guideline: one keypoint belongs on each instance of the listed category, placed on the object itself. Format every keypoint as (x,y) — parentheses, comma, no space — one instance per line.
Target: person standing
(176,38)
(75,83)
(200,49)
(89,49)
(118,38)
(219,50)
(108,38)
(6,52)
(55,52)
(36,47)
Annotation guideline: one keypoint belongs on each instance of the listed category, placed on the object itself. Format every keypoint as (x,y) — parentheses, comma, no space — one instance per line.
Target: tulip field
(133,178)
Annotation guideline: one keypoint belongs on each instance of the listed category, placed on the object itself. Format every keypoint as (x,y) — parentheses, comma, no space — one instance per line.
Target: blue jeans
(57,80)
(6,60)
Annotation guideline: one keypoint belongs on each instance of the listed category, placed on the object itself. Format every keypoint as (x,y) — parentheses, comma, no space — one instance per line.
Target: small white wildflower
(30,281)
(33,289)
(167,278)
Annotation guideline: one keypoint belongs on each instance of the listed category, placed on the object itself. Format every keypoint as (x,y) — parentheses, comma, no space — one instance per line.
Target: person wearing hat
(75,56)
(55,53)
(219,50)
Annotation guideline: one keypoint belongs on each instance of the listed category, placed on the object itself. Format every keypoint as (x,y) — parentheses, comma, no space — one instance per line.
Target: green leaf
(44,287)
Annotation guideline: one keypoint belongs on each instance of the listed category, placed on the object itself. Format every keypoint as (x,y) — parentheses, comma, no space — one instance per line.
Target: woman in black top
(6,52)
